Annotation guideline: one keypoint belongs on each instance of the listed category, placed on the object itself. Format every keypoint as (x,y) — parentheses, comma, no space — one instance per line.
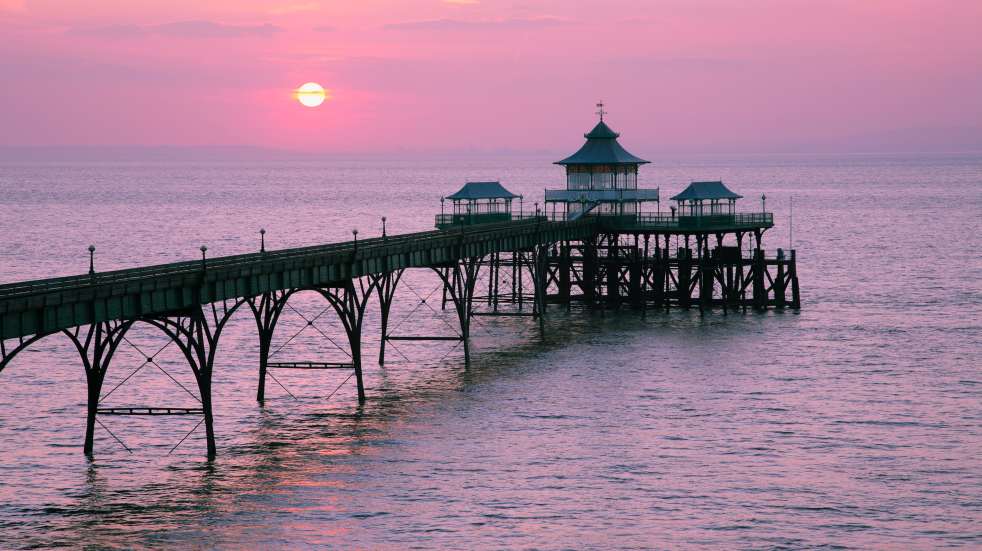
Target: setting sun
(310,94)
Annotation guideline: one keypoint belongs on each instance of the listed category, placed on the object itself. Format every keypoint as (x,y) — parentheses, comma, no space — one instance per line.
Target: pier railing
(444,221)
(624,222)
(658,221)
(414,241)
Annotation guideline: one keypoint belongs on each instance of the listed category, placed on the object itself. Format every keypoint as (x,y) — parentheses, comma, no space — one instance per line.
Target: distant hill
(123,153)
(151,153)
(923,140)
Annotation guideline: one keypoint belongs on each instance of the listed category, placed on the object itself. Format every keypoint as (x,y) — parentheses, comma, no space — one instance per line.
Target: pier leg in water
(741,285)
(96,346)
(459,281)
(613,271)
(523,264)
(539,274)
(197,334)
(590,269)
(705,274)
(760,290)
(349,302)
(780,281)
(793,274)
(387,291)
(516,274)
(684,275)
(634,281)
(267,312)
(564,278)
(666,277)
(644,266)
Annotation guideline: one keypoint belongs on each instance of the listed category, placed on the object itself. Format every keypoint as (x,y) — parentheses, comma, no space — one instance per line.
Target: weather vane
(600,111)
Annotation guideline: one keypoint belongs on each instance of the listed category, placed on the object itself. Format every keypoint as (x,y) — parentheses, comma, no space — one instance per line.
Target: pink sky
(432,75)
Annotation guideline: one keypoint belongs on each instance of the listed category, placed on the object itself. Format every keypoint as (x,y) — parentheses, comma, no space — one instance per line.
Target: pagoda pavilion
(601,178)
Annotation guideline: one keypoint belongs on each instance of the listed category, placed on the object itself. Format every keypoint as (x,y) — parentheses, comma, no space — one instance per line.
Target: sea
(854,423)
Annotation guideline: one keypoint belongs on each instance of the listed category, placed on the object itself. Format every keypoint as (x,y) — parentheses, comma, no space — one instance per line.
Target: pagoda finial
(600,110)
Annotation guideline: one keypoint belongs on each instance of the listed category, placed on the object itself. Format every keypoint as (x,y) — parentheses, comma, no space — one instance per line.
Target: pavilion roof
(601,148)
(481,190)
(705,191)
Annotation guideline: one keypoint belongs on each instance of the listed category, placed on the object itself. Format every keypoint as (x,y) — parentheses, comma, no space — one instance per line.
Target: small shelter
(477,203)
(706,199)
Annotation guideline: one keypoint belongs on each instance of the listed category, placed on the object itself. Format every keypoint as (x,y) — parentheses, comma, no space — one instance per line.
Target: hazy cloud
(109,31)
(184,29)
(294,7)
(325,29)
(465,25)
(213,29)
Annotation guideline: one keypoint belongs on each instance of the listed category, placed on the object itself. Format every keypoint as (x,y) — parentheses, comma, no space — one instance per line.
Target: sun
(310,94)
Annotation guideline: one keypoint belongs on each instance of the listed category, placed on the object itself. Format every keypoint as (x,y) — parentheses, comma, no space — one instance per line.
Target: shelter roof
(601,148)
(705,191)
(481,190)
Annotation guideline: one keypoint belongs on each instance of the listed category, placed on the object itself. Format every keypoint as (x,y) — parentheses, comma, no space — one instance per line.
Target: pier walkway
(601,261)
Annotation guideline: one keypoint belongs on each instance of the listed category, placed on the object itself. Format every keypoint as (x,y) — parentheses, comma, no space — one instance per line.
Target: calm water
(856,423)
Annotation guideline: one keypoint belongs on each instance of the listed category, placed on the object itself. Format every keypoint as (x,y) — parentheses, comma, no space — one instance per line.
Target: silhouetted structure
(477,203)
(600,250)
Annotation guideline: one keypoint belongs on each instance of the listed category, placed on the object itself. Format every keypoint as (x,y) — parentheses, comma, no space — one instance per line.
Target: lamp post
(204,250)
(537,209)
(354,232)
(442,199)
(763,203)
(383,227)
(91,260)
(262,240)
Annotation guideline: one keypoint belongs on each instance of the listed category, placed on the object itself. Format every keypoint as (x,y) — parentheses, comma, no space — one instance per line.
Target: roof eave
(569,162)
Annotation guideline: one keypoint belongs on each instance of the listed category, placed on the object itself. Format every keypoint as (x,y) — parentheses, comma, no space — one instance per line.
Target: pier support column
(564,275)
(590,271)
(635,287)
(705,275)
(684,276)
(645,266)
(741,284)
(459,281)
(497,280)
(780,281)
(387,290)
(658,276)
(197,334)
(793,274)
(723,273)
(540,277)
(612,272)
(267,312)
(96,346)
(666,275)
(349,303)
(760,290)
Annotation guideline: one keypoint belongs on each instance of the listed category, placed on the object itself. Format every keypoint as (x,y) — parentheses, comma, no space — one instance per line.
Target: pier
(591,243)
